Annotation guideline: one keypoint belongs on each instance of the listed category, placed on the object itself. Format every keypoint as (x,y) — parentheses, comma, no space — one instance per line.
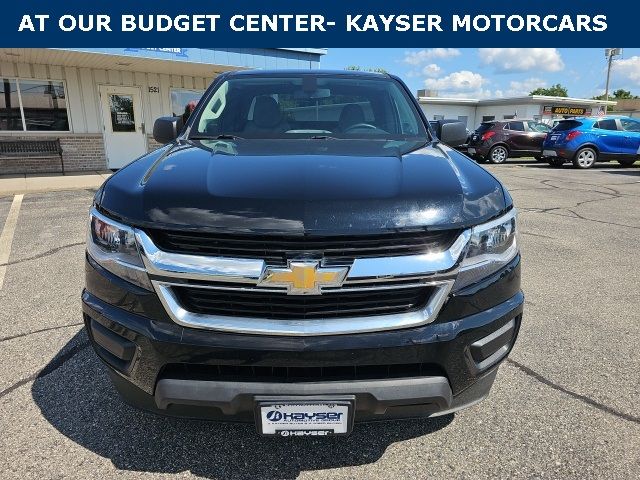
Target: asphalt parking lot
(565,404)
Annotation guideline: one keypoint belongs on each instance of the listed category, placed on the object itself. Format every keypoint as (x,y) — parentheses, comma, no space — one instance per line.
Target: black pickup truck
(303,253)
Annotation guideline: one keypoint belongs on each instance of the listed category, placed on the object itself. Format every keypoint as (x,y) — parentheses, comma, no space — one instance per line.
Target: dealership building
(77,109)
(473,111)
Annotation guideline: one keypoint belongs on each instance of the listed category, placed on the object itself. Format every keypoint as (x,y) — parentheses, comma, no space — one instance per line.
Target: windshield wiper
(222,136)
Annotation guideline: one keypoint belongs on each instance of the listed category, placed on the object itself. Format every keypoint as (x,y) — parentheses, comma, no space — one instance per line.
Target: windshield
(303,106)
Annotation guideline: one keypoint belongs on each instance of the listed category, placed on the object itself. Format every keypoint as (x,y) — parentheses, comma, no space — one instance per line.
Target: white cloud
(468,84)
(422,56)
(524,87)
(522,59)
(462,81)
(431,70)
(627,72)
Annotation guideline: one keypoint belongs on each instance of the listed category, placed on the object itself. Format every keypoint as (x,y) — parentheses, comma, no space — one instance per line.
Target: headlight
(113,246)
(492,245)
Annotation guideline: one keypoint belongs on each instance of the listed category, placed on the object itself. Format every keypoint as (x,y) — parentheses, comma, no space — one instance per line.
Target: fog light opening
(116,350)
(490,349)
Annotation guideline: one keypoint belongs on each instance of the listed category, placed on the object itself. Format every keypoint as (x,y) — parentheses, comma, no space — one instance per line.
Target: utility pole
(609,54)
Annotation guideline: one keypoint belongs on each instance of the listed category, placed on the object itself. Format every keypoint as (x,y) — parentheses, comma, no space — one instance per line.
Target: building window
(10,116)
(488,118)
(438,117)
(464,119)
(33,105)
(508,117)
(184,101)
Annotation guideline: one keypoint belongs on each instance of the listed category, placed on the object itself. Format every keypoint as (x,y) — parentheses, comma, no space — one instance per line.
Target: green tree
(358,68)
(556,90)
(619,94)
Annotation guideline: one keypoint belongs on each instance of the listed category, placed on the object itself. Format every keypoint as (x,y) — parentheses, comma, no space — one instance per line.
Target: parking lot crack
(582,398)
(51,367)
(551,211)
(25,334)
(538,235)
(43,254)
(548,183)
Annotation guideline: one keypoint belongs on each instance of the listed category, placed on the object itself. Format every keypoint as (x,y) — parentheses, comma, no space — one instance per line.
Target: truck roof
(267,73)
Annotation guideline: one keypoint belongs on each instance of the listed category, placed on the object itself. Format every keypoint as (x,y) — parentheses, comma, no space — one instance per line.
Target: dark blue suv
(585,141)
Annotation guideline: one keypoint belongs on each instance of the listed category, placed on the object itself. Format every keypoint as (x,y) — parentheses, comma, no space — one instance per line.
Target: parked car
(587,140)
(496,141)
(303,254)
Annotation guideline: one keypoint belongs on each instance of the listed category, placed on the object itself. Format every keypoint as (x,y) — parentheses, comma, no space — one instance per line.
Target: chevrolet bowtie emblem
(303,277)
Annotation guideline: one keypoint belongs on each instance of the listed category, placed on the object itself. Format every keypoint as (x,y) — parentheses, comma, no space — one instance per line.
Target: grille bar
(281,306)
(328,323)
(279,248)
(268,373)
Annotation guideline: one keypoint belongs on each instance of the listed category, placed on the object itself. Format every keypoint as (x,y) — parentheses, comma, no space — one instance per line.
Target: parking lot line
(6,238)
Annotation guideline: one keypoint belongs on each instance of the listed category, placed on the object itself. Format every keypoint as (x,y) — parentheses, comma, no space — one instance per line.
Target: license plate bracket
(304,415)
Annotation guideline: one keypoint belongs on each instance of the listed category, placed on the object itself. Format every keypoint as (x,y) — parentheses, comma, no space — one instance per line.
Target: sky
(496,72)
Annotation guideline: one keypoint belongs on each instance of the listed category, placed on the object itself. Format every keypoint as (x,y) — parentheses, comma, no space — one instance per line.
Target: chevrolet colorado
(303,253)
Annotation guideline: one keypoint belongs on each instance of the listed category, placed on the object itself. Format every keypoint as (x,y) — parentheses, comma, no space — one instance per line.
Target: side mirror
(167,129)
(451,132)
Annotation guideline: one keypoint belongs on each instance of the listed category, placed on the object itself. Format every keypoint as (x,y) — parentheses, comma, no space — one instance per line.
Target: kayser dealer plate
(305,418)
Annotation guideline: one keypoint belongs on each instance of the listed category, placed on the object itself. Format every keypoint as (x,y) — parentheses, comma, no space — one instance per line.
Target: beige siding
(154,99)
(89,103)
(40,71)
(165,87)
(74,101)
(7,69)
(24,70)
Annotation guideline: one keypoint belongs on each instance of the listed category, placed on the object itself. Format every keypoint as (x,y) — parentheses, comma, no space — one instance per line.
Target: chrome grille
(221,286)
(334,304)
(276,249)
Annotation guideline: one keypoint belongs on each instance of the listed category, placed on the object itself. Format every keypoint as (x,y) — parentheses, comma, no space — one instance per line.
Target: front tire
(498,154)
(627,162)
(585,158)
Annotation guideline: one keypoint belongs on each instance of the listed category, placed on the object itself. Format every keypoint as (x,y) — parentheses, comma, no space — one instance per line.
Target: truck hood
(302,186)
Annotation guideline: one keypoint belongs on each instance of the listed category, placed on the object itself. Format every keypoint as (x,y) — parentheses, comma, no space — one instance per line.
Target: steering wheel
(368,126)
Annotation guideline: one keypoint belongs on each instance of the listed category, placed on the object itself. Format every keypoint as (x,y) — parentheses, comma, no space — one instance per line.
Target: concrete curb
(34,183)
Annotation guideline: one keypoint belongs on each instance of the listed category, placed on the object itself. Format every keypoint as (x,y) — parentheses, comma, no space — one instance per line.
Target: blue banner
(401,23)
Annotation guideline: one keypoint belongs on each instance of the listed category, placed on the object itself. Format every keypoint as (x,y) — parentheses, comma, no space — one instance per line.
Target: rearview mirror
(451,132)
(167,129)
(314,94)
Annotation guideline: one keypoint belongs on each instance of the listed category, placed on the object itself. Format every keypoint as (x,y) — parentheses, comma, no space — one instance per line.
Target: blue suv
(585,141)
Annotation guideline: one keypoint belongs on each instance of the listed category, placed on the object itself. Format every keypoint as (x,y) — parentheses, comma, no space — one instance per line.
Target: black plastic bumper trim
(488,345)
(371,396)
(112,342)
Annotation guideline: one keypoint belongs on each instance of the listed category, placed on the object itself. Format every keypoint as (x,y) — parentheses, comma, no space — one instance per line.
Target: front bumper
(161,366)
